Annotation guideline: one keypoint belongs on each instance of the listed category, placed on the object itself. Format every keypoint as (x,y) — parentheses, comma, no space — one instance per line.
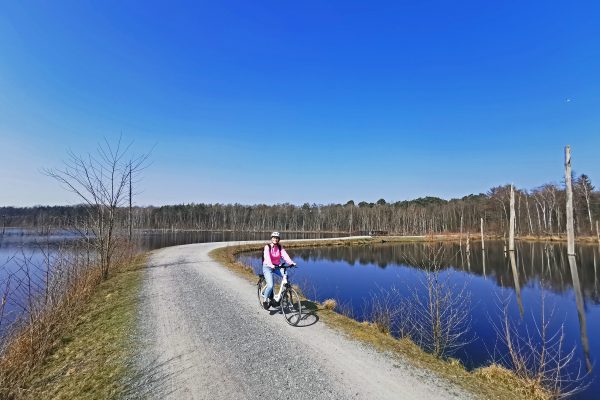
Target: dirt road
(203,336)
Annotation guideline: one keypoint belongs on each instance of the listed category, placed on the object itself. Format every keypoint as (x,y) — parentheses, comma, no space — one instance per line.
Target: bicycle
(287,299)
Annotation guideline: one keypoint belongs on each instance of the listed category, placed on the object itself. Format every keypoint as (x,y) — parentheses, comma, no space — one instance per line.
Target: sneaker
(266,304)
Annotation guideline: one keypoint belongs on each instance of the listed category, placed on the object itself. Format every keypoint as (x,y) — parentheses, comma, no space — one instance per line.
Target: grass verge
(491,382)
(90,360)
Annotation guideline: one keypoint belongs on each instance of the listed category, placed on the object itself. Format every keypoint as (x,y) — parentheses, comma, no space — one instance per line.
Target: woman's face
(275,239)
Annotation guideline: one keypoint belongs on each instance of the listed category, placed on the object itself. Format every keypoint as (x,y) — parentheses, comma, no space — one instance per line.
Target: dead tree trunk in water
(511,233)
(570,230)
(482,242)
(461,228)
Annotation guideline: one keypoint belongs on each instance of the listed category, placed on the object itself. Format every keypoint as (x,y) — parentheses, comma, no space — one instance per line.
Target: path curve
(203,336)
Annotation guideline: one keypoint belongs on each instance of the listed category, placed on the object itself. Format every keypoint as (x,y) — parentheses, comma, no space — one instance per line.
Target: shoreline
(450,236)
(491,382)
(444,237)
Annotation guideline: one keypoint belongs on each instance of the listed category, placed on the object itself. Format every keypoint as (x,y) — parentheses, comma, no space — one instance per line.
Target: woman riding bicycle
(272,255)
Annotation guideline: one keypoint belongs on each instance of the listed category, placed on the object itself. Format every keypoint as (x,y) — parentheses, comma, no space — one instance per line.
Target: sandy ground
(203,336)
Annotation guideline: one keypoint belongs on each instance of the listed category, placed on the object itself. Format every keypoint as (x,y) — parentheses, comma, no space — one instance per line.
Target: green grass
(91,360)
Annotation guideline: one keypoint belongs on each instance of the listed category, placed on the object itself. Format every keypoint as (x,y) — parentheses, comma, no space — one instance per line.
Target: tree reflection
(550,266)
(585,344)
(515,273)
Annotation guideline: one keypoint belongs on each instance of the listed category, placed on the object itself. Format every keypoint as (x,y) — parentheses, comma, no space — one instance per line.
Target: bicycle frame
(286,294)
(284,283)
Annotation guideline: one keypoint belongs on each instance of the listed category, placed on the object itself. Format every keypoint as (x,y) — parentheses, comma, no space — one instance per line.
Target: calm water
(21,248)
(18,246)
(351,275)
(17,243)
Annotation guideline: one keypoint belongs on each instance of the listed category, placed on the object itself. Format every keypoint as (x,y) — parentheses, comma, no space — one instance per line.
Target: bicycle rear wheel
(260,287)
(291,307)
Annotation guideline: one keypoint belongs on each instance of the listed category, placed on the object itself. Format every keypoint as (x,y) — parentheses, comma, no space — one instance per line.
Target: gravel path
(203,336)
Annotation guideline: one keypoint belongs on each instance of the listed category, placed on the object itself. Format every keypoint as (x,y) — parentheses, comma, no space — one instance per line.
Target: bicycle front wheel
(291,307)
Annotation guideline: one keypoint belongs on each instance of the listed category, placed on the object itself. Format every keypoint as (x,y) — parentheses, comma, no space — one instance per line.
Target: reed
(40,304)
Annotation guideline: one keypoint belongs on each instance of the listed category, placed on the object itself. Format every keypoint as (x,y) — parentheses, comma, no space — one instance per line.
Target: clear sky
(312,101)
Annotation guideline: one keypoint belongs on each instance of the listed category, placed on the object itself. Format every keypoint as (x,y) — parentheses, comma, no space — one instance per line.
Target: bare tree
(101,180)
(541,356)
(501,195)
(439,311)
(584,187)
(391,313)
(545,214)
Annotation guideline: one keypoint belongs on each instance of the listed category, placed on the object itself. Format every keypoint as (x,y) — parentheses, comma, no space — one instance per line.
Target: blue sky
(313,101)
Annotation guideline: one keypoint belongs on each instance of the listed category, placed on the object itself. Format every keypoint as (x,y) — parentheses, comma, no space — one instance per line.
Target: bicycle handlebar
(284,266)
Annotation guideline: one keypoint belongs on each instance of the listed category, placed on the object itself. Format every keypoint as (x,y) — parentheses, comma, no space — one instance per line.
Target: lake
(36,246)
(539,278)
(352,275)
(22,249)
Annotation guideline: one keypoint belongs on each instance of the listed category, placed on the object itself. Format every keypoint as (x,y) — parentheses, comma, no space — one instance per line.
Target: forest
(539,212)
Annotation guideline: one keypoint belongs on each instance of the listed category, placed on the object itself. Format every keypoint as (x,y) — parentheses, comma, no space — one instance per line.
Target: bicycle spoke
(291,308)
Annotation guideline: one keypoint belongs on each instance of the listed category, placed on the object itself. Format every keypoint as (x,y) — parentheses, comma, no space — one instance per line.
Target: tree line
(540,211)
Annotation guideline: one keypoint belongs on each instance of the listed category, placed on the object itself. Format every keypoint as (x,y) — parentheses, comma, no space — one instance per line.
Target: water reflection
(595,275)
(585,344)
(469,260)
(483,261)
(546,262)
(28,253)
(533,274)
(515,273)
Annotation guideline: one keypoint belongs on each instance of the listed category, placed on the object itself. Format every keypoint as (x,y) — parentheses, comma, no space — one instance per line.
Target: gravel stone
(202,335)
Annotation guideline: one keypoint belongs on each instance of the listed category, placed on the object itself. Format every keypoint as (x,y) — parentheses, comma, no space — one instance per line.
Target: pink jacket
(272,256)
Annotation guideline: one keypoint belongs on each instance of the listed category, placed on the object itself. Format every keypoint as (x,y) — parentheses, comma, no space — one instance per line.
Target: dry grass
(91,360)
(557,238)
(330,304)
(492,382)
(498,375)
(47,321)
(487,383)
